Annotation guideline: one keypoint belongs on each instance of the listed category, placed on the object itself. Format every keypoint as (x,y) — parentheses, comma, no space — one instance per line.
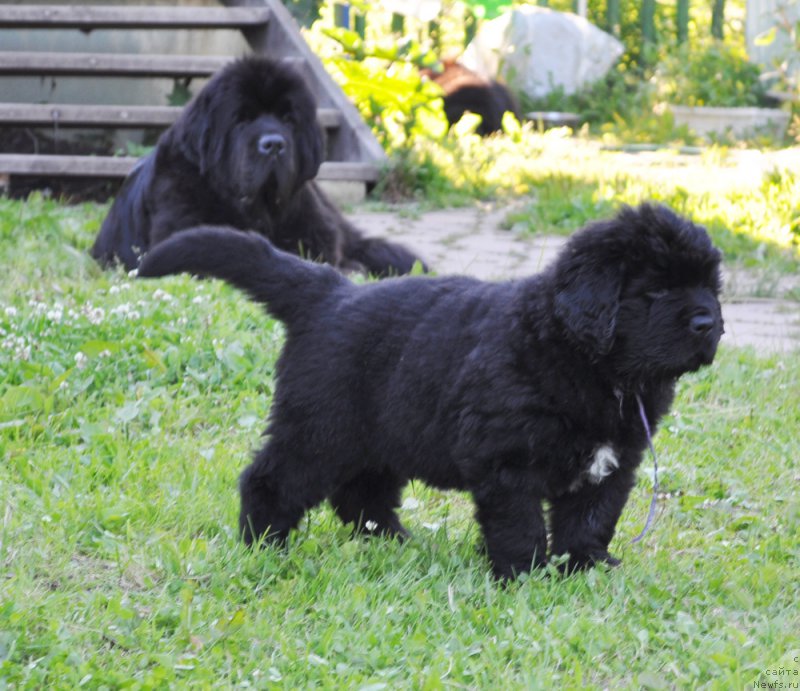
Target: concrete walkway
(472,241)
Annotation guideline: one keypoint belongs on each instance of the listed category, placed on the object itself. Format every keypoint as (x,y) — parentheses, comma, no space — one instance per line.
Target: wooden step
(30,63)
(72,115)
(27,63)
(66,166)
(119,166)
(88,17)
(356,171)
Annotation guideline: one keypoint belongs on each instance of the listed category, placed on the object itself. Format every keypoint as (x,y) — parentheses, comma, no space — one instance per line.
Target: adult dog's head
(253,131)
(640,292)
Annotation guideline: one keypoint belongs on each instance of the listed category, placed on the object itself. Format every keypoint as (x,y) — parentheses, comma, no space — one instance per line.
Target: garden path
(472,241)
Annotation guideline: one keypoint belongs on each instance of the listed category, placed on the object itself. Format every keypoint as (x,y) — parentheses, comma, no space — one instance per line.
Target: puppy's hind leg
(275,494)
(369,501)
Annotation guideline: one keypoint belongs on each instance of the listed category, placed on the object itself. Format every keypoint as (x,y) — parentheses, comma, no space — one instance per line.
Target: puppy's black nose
(701,324)
(271,144)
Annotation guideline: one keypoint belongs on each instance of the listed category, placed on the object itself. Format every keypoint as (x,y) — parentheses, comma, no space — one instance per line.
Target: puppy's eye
(657,294)
(288,118)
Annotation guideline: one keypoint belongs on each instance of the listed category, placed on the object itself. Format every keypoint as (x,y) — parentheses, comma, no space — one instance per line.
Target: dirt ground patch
(472,241)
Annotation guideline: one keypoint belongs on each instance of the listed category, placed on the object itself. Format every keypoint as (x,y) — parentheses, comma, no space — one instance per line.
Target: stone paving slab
(472,241)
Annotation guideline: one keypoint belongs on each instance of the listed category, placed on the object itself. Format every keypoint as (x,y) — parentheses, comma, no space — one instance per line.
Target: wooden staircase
(353,154)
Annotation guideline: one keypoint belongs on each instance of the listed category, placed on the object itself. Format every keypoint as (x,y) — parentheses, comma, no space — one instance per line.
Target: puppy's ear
(587,300)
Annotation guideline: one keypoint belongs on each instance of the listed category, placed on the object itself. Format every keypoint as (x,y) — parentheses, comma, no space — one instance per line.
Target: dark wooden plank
(66,166)
(329,118)
(27,63)
(89,17)
(348,170)
(120,166)
(71,115)
(682,20)
(718,19)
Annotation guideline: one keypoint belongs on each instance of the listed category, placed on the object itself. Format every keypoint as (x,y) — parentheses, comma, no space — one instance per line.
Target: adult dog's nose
(701,324)
(271,144)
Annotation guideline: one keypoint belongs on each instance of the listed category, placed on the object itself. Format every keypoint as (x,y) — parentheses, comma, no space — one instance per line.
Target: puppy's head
(641,291)
(253,130)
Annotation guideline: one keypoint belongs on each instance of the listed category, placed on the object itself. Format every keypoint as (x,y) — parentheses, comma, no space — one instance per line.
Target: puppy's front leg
(513,529)
(583,521)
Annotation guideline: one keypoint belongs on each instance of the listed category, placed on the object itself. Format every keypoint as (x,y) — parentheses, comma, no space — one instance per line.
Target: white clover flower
(95,315)
(39,308)
(162,296)
(55,313)
(81,360)
(126,311)
(11,311)
(19,348)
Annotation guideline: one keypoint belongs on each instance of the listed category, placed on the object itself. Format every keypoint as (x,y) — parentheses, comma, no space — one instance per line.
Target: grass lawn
(127,410)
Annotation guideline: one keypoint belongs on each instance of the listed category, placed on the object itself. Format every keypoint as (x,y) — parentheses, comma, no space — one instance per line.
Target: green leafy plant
(784,79)
(384,80)
(397,102)
(715,75)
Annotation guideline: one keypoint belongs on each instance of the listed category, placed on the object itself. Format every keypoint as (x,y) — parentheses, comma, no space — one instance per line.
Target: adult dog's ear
(196,135)
(586,300)
(310,145)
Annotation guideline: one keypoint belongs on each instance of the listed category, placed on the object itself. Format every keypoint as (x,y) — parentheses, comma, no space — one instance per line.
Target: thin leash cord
(653,502)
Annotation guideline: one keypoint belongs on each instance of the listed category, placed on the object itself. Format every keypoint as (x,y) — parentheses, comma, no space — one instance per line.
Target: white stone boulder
(535,50)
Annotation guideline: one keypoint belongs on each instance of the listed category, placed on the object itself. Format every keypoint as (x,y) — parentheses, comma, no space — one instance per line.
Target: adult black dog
(518,392)
(243,153)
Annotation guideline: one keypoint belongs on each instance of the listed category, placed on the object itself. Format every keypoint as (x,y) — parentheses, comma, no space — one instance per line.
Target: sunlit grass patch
(747,199)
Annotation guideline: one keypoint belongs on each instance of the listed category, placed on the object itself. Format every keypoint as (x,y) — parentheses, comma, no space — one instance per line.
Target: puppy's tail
(288,286)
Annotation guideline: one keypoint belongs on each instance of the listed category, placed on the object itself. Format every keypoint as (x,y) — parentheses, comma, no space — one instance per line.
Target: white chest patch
(604,463)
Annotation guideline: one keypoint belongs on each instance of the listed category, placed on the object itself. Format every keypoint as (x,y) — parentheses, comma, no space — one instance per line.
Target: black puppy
(518,392)
(243,153)
(466,91)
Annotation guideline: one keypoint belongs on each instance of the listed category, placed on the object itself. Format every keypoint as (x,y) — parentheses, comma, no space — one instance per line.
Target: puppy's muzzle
(705,328)
(702,324)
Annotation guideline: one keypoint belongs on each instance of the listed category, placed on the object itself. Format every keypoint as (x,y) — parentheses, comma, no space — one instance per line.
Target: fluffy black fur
(519,392)
(244,154)
(466,91)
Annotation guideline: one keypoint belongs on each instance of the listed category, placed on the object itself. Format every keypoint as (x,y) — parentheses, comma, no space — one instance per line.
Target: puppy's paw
(505,570)
(582,562)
